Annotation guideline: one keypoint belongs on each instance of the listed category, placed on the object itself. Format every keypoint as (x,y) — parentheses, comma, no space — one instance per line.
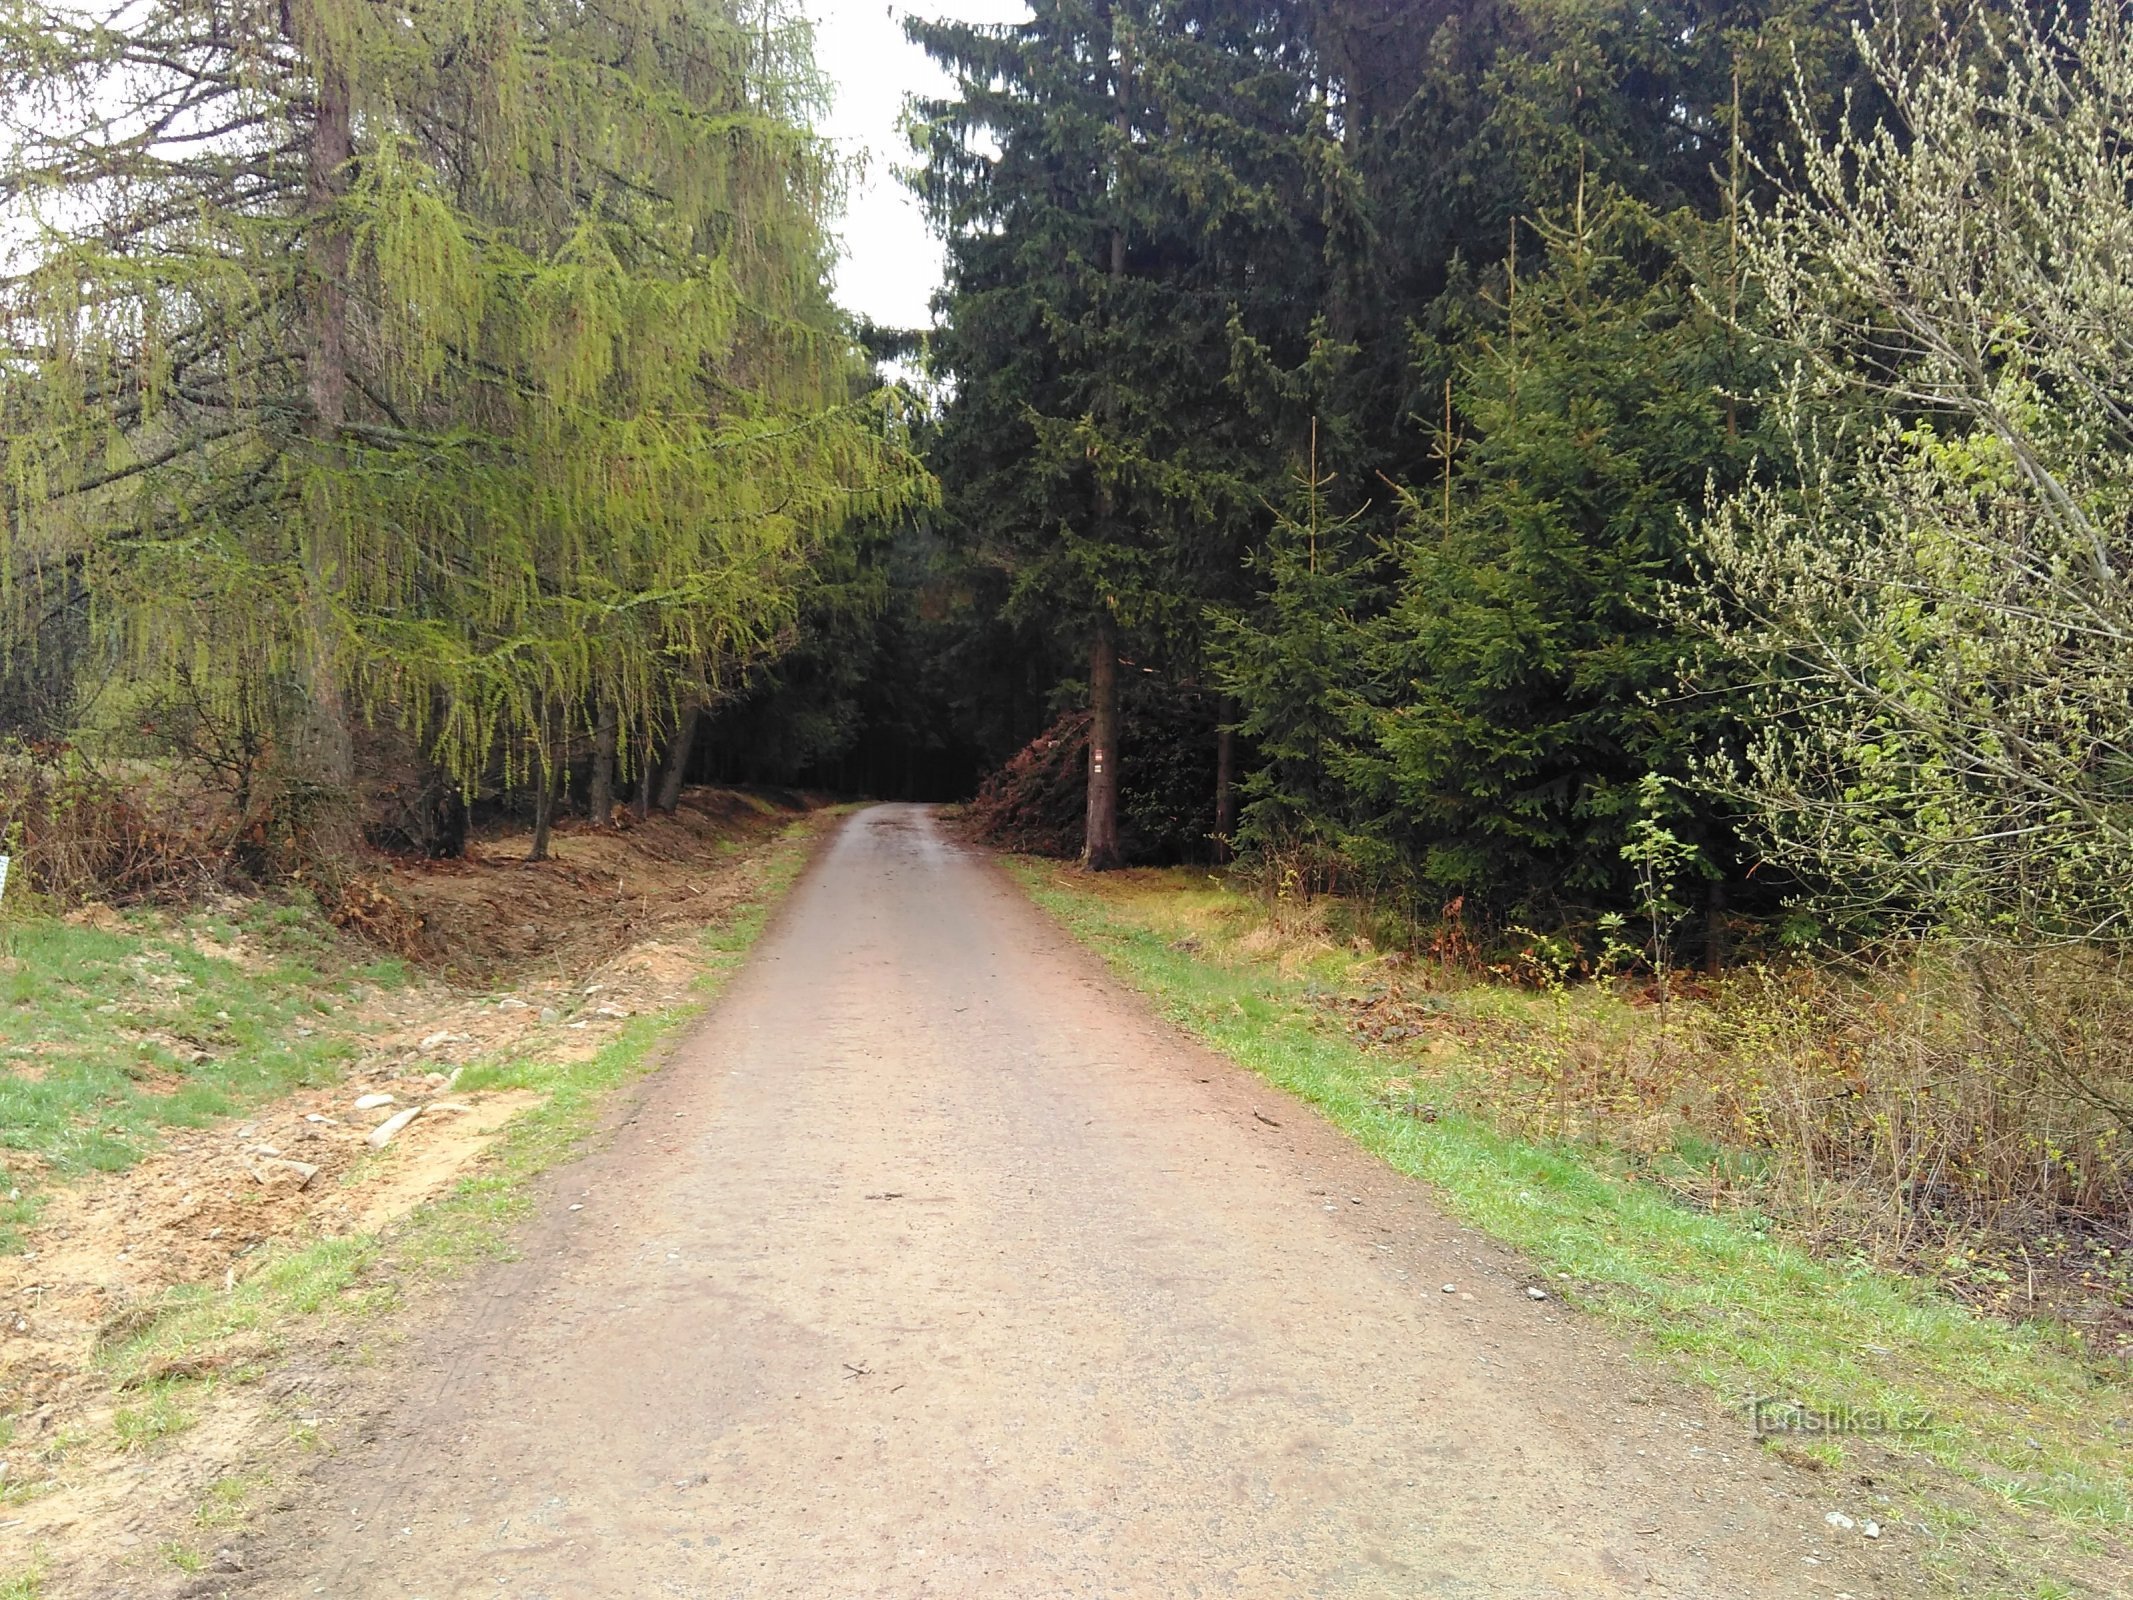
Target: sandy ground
(934,1265)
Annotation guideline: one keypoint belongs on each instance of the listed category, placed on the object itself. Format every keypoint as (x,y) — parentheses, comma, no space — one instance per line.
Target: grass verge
(2022,1411)
(113,1028)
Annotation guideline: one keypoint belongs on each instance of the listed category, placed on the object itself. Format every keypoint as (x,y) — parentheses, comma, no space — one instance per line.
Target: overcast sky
(891,262)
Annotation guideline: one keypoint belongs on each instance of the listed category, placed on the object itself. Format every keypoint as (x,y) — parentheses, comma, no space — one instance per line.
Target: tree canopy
(464,366)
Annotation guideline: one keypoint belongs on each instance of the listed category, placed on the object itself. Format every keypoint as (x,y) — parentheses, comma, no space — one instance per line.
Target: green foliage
(1932,584)
(1533,674)
(471,365)
(1158,316)
(1296,667)
(1129,192)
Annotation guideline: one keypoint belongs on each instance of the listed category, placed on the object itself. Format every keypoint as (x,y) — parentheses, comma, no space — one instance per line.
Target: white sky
(891,262)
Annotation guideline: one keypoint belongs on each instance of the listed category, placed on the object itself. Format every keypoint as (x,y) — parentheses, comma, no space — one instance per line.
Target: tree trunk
(676,772)
(1100,851)
(1715,951)
(553,776)
(543,816)
(447,824)
(1225,788)
(600,802)
(647,773)
(330,737)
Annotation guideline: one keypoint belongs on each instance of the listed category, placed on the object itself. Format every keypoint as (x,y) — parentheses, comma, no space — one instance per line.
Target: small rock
(443,1038)
(279,1171)
(1536,1294)
(313,1116)
(265,1150)
(437,1107)
(3,1472)
(1837,1519)
(227,1560)
(436,1080)
(1872,1530)
(512,1002)
(550,1014)
(611,1011)
(371,1102)
(452,1077)
(1451,1288)
(382,1135)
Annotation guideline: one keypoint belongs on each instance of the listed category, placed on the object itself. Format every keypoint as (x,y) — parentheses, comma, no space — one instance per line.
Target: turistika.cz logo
(1774,1416)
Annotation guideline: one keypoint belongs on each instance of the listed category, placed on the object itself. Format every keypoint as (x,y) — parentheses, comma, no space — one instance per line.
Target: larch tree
(467,365)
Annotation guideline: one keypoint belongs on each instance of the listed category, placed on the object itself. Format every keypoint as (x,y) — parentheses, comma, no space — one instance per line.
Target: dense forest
(1545,459)
(1549,578)
(1559,462)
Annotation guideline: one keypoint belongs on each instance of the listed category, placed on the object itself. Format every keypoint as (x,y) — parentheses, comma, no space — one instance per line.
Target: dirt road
(934,1265)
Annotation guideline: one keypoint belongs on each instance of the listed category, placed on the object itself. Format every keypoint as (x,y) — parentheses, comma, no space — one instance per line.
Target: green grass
(110,1035)
(229,1499)
(363,1275)
(159,1414)
(2021,1411)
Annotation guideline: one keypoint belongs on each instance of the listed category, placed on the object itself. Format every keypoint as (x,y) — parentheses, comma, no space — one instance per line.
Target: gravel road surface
(934,1264)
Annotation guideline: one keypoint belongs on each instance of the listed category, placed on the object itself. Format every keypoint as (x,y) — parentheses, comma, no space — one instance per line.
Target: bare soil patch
(494,915)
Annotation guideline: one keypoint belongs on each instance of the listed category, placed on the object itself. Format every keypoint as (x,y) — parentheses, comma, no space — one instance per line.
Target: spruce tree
(1122,188)
(1531,674)
(1297,663)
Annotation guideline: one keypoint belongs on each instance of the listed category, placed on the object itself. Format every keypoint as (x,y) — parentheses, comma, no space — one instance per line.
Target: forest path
(934,1264)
